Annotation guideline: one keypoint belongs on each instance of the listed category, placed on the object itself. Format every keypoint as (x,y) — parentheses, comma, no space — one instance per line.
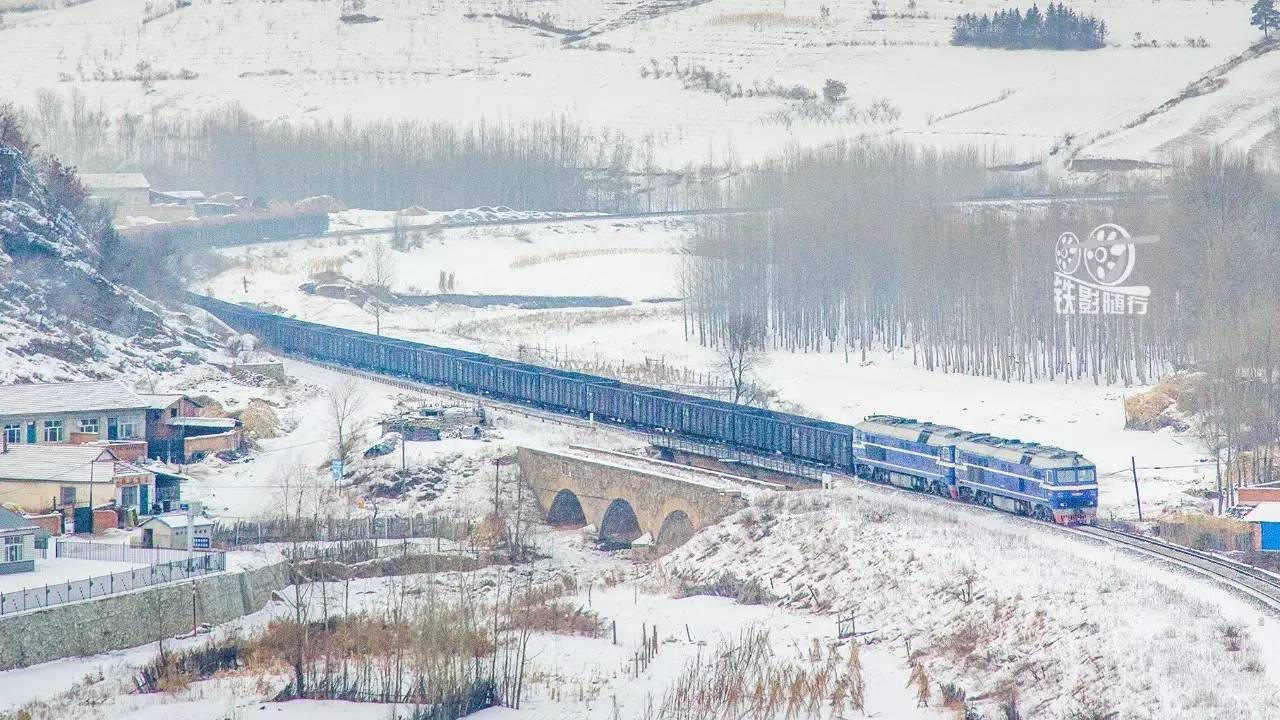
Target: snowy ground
(454,60)
(60,570)
(630,340)
(1160,642)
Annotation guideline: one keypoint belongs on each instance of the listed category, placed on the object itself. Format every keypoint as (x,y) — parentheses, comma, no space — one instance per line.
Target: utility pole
(1133,465)
(497,462)
(73,509)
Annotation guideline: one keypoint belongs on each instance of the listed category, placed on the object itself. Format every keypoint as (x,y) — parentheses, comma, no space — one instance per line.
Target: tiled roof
(159,402)
(1264,512)
(103,181)
(57,463)
(45,398)
(10,520)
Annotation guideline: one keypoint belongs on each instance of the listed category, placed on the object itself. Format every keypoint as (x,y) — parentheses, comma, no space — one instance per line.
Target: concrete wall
(653,497)
(135,618)
(209,444)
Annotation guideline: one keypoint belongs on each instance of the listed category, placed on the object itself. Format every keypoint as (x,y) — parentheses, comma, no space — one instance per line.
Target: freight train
(1025,478)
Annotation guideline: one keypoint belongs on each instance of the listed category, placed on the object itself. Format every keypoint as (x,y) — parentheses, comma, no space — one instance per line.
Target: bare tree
(380,275)
(346,401)
(741,345)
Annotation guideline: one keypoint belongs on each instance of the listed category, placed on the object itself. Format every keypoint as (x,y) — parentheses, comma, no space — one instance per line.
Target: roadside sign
(200,543)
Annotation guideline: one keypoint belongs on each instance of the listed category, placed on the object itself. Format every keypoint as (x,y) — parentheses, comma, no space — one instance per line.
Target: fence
(117,552)
(357,551)
(287,530)
(156,573)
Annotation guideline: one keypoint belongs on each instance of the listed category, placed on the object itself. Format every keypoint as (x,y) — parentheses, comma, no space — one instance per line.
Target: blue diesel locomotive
(1025,478)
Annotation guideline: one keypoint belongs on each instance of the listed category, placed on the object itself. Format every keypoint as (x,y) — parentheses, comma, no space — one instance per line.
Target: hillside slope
(692,80)
(59,317)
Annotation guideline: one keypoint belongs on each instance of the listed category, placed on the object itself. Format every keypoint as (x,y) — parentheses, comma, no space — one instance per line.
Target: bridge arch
(676,529)
(566,510)
(620,526)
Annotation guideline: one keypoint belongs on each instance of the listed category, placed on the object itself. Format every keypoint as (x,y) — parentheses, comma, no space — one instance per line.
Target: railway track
(1255,582)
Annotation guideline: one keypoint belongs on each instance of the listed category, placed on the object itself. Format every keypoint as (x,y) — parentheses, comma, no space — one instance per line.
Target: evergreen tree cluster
(1057,28)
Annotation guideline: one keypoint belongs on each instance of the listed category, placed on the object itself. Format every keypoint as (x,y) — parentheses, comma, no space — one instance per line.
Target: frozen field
(459,61)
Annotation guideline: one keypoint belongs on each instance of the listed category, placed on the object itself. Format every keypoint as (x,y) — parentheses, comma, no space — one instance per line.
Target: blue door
(144,505)
(1271,535)
(31,433)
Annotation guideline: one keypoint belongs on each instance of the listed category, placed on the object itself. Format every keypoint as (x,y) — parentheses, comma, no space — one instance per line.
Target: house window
(53,431)
(128,429)
(89,426)
(13,434)
(173,412)
(67,496)
(13,549)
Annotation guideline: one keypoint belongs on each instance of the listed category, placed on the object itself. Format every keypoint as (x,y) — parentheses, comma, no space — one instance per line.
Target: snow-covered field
(457,61)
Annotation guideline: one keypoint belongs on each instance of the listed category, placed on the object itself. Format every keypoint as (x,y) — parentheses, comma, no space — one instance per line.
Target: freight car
(1019,477)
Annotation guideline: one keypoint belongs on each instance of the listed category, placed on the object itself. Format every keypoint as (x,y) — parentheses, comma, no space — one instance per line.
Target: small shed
(170,531)
(1266,526)
(17,543)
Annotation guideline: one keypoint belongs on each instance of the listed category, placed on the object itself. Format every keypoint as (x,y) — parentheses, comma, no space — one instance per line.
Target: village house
(170,531)
(41,478)
(178,433)
(75,413)
(17,543)
(118,188)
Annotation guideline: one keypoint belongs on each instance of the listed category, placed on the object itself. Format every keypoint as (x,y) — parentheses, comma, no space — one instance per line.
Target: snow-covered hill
(480,59)
(59,317)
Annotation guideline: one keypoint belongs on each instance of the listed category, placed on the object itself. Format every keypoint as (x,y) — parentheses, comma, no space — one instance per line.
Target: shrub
(833,90)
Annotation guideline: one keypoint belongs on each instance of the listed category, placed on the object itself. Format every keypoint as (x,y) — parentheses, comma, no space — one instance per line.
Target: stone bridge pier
(626,497)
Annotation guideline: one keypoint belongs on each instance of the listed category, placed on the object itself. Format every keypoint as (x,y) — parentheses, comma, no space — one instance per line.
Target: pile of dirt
(1168,404)
(260,420)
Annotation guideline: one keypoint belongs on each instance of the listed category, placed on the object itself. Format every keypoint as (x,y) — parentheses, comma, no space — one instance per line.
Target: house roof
(61,463)
(181,194)
(207,422)
(1264,512)
(178,521)
(159,402)
(10,520)
(44,398)
(114,181)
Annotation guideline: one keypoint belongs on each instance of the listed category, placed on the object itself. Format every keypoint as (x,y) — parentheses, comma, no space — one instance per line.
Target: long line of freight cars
(1024,478)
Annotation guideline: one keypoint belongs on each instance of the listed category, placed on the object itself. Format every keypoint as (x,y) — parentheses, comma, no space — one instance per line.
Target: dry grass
(757,20)
(744,678)
(1154,409)
(491,533)
(260,420)
(532,259)
(1206,532)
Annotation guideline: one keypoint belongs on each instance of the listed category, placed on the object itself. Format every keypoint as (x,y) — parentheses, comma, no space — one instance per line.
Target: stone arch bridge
(625,496)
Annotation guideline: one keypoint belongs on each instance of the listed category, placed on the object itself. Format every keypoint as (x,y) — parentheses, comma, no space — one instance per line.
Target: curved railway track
(1260,584)
(1254,582)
